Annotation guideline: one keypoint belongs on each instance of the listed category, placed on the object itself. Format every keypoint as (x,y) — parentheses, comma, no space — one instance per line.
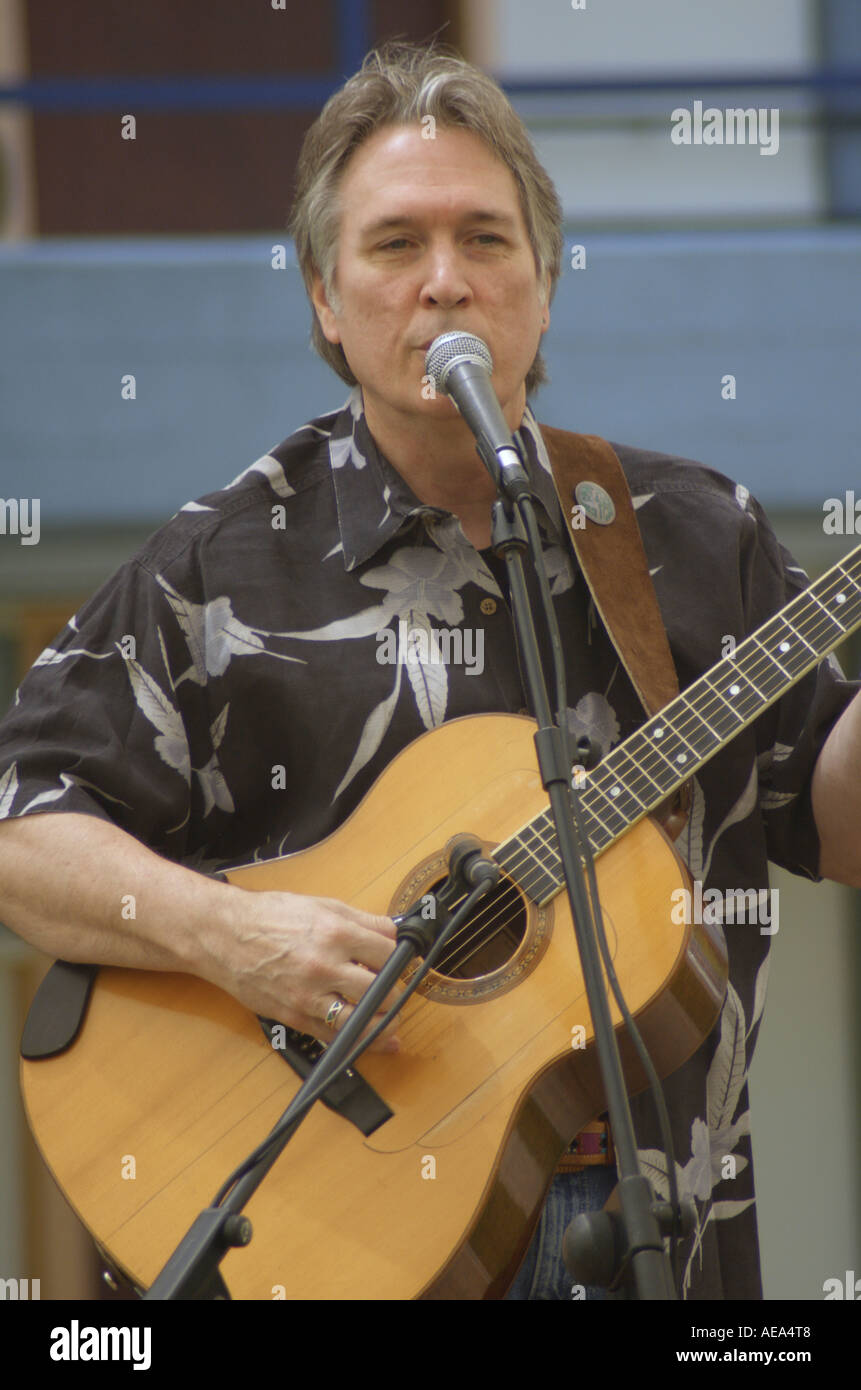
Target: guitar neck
(638,776)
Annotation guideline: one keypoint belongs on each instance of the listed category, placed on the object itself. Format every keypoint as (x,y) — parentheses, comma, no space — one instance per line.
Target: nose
(445,283)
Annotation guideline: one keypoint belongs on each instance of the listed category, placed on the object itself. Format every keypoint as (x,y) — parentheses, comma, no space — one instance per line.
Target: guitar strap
(599,513)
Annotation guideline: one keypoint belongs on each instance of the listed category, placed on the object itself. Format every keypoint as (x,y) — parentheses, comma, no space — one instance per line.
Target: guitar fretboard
(635,778)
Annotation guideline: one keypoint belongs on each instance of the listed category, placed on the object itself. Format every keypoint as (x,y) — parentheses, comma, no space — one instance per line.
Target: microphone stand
(647,1270)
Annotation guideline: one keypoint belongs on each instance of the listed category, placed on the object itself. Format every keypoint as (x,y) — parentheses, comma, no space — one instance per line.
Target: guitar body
(171,1080)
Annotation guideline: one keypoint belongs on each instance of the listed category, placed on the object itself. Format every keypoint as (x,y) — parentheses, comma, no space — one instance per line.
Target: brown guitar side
(173,1080)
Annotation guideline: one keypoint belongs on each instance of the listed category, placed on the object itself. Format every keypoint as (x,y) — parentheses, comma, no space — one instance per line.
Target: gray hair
(398,84)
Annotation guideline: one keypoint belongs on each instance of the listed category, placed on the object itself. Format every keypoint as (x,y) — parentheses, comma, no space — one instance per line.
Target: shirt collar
(374,502)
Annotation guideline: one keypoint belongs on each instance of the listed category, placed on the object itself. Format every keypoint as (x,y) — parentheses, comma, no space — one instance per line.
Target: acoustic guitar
(424,1173)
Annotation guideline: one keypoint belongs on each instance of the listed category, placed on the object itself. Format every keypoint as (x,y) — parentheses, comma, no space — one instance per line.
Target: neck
(440,463)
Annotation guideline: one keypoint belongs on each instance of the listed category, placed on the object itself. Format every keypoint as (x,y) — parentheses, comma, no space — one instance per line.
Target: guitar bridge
(349,1095)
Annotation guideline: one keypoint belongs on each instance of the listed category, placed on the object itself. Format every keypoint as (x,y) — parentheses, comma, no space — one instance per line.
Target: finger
(357,944)
(353,980)
(316,1028)
(369,921)
(387,1041)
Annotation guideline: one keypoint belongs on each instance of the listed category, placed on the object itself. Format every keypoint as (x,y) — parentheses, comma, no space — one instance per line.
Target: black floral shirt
(235,689)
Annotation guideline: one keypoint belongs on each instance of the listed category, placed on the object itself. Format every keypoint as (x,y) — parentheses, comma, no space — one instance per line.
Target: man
(258,698)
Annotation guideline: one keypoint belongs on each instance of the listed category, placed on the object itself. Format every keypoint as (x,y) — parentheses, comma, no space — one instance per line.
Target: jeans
(543,1274)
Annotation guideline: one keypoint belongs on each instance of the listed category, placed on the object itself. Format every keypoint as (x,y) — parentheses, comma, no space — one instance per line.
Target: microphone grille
(450,348)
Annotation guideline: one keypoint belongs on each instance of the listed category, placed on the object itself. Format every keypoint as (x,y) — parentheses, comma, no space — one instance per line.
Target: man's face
(432,238)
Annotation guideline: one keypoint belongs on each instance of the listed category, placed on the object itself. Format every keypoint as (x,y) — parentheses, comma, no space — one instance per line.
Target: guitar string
(766,663)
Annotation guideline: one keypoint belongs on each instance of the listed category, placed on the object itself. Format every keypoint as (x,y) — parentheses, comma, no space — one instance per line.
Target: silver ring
(334,1009)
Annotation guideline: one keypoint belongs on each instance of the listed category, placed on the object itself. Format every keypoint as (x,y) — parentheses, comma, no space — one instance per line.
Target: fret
(597,834)
(540,848)
(722,713)
(642,784)
(643,771)
(762,670)
(677,754)
(659,772)
(735,689)
(616,790)
(590,799)
(815,624)
(847,576)
(832,620)
(697,733)
(547,850)
(528,870)
(609,816)
(788,646)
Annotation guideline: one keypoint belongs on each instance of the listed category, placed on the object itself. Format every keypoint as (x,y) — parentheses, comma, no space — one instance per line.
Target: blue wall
(218,343)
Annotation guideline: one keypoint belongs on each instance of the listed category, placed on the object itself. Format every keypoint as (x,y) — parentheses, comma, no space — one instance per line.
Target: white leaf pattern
(51,657)
(720,1211)
(8,789)
(428,679)
(171,744)
(218,727)
(44,798)
(214,788)
(365,624)
(344,451)
(759,992)
(772,801)
(726,1073)
(372,734)
(272,470)
(690,844)
(214,635)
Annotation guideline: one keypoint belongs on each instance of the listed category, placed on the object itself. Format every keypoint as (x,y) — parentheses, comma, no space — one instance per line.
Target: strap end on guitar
(58,1010)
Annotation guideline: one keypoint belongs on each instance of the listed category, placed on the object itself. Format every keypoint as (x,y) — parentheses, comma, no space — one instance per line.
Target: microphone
(460,365)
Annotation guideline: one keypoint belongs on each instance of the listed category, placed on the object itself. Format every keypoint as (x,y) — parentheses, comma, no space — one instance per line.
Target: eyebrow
(482,215)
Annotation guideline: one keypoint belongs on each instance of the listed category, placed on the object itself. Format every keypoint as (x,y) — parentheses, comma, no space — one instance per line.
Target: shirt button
(488,606)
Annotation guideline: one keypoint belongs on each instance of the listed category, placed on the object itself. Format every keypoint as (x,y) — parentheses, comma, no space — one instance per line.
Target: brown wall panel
(186,171)
(161,37)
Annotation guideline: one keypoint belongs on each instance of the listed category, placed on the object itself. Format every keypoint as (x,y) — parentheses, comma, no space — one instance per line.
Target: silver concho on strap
(596,503)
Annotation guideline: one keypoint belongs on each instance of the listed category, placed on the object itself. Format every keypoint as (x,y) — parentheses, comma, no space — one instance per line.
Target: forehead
(398,171)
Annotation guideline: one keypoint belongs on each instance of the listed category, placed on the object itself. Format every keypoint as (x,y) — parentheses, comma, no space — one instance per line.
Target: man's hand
(68,880)
(290,958)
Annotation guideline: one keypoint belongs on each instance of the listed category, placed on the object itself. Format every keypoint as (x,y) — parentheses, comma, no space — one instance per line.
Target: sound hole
(488,938)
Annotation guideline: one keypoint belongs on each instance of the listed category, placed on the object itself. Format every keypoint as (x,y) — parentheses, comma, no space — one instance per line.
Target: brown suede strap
(614,564)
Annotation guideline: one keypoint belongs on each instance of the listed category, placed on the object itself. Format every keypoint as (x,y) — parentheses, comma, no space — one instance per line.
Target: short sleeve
(99,724)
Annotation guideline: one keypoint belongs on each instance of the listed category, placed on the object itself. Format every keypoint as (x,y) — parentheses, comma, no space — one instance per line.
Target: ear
(545,316)
(324,311)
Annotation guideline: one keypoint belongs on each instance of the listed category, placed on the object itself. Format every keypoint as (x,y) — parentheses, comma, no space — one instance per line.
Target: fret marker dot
(734,689)
(841,598)
(682,758)
(615,791)
(784,647)
(658,733)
